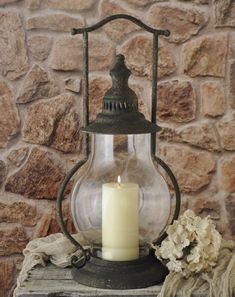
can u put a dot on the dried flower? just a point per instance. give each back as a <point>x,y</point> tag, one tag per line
<point>192,245</point>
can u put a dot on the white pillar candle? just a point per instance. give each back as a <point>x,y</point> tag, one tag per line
<point>120,222</point>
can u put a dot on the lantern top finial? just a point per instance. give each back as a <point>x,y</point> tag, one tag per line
<point>120,113</point>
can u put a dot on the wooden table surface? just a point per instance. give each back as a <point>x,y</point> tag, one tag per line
<point>51,281</point>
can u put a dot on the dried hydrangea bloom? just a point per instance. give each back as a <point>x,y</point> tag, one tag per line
<point>192,245</point>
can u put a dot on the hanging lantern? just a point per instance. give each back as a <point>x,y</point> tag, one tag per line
<point>122,203</point>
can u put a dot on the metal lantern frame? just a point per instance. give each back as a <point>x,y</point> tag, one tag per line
<point>145,271</point>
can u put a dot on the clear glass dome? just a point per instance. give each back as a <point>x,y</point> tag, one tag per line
<point>120,219</point>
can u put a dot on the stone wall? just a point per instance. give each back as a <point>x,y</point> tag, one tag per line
<point>40,104</point>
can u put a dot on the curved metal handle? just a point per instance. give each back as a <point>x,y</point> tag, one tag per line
<point>81,261</point>
<point>120,16</point>
<point>155,33</point>
<point>177,196</point>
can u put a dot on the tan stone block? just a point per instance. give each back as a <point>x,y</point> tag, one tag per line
<point>226,130</point>
<point>9,117</point>
<point>138,53</point>
<point>37,84</point>
<point>182,23</point>
<point>12,241</point>
<point>213,101</point>
<point>176,101</point>
<point>54,123</point>
<point>32,4</point>
<point>73,84</point>
<point>117,29</point>
<point>139,90</point>
<point>17,157</point>
<point>13,59</point>
<point>4,2</point>
<point>49,223</point>
<point>227,174</point>
<point>67,54</point>
<point>202,135</point>
<point>54,22</point>
<point>232,45</point>
<point>77,5</point>
<point>205,56</point>
<point>6,277</point>
<point>18,212</point>
<point>18,261</point>
<point>38,178</point>
<point>232,84</point>
<point>39,46</point>
<point>97,88</point>
<point>193,170</point>
<point>197,1</point>
<point>142,3</point>
<point>224,11</point>
<point>43,226</point>
<point>207,204</point>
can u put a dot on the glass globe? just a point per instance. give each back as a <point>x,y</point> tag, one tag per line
<point>122,202</point>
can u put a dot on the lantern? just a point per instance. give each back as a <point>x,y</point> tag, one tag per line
<point>122,202</point>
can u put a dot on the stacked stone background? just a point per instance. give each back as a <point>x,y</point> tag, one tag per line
<point>41,104</point>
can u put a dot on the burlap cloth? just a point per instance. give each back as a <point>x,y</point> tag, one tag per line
<point>220,282</point>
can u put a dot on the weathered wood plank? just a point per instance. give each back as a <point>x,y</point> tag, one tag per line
<point>51,274</point>
<point>51,281</point>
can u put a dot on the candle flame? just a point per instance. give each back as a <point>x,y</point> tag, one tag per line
<point>119,180</point>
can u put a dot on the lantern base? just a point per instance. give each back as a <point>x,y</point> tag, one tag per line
<point>122,275</point>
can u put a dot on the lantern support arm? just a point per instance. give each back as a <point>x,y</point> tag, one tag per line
<point>177,196</point>
<point>154,90</point>
<point>85,87</point>
<point>120,16</point>
<point>76,261</point>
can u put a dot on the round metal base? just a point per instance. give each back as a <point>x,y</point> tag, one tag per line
<point>141,273</point>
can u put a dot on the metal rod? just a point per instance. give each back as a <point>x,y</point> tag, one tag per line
<point>119,16</point>
<point>60,197</point>
<point>154,90</point>
<point>177,196</point>
<point>85,93</point>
